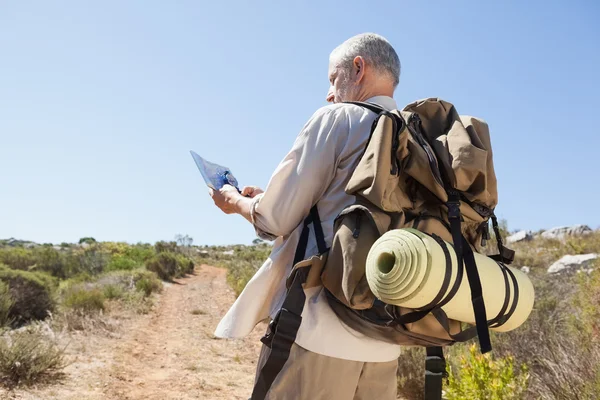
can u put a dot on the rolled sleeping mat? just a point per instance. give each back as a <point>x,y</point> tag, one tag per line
<point>406,267</point>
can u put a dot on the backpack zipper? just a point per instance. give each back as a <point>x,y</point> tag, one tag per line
<point>415,124</point>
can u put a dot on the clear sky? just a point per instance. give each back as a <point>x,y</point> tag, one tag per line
<point>100,103</point>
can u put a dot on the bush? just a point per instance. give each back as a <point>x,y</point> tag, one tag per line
<point>481,377</point>
<point>113,292</point>
<point>148,285</point>
<point>164,265</point>
<point>184,265</point>
<point>31,293</point>
<point>411,372</point>
<point>6,303</point>
<point>27,355</point>
<point>241,266</point>
<point>17,258</point>
<point>49,260</point>
<point>166,247</point>
<point>169,265</point>
<point>122,263</point>
<point>587,302</point>
<point>86,301</point>
<point>91,260</point>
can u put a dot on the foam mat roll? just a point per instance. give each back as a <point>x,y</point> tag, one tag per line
<point>406,267</point>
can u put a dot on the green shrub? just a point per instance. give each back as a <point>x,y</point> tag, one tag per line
<point>112,292</point>
<point>166,247</point>
<point>587,303</point>
<point>122,263</point>
<point>481,377</point>
<point>31,292</point>
<point>49,260</point>
<point>17,258</point>
<point>242,265</point>
<point>139,253</point>
<point>91,260</point>
<point>411,372</point>
<point>148,285</point>
<point>86,301</point>
<point>184,265</point>
<point>27,355</point>
<point>6,303</point>
<point>164,265</point>
<point>239,275</point>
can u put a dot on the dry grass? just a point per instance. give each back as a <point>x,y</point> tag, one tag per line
<point>28,356</point>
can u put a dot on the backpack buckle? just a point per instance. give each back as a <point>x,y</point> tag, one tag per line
<point>453,205</point>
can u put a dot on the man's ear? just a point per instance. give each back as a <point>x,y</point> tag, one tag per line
<point>358,68</point>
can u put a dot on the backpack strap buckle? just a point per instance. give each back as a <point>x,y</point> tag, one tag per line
<point>453,205</point>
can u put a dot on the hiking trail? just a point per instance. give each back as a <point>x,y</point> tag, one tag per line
<point>167,354</point>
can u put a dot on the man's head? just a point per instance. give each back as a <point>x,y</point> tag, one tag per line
<point>363,66</point>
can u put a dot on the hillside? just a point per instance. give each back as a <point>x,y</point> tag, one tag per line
<point>120,321</point>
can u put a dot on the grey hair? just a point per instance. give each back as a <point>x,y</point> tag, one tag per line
<point>374,48</point>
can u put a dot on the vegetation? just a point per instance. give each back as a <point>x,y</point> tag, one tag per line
<point>28,355</point>
<point>555,354</point>
<point>241,262</point>
<point>76,285</point>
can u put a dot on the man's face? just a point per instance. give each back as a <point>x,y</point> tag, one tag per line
<point>342,88</point>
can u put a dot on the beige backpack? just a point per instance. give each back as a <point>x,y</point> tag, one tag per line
<point>424,167</point>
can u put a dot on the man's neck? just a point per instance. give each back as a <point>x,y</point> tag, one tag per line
<point>370,93</point>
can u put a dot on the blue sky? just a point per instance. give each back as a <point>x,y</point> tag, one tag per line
<point>100,103</point>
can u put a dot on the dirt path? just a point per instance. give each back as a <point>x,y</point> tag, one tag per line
<point>170,353</point>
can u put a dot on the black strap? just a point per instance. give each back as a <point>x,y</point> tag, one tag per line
<point>495,320</point>
<point>370,106</point>
<point>439,299</point>
<point>505,255</point>
<point>284,328</point>
<point>464,253</point>
<point>501,318</point>
<point>461,336</point>
<point>282,335</point>
<point>319,236</point>
<point>435,372</point>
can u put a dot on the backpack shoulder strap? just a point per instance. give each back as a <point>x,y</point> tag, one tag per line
<point>370,106</point>
<point>284,328</point>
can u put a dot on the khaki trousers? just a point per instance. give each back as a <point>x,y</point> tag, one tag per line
<point>310,376</point>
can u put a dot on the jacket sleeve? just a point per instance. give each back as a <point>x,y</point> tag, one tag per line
<point>303,176</point>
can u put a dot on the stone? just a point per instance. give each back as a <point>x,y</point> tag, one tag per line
<point>571,263</point>
<point>563,231</point>
<point>520,236</point>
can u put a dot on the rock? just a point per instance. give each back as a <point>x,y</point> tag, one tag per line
<point>228,252</point>
<point>519,237</point>
<point>570,263</point>
<point>562,231</point>
<point>525,269</point>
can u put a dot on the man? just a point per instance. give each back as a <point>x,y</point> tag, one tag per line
<point>328,359</point>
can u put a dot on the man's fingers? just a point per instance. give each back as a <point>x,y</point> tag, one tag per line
<point>247,190</point>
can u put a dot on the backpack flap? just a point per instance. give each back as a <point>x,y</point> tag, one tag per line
<point>462,146</point>
<point>377,175</point>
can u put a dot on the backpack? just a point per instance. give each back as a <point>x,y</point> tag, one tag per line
<point>427,168</point>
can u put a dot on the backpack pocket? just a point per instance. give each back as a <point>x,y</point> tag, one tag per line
<point>356,229</point>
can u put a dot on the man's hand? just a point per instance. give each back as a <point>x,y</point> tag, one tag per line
<point>226,198</point>
<point>251,191</point>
